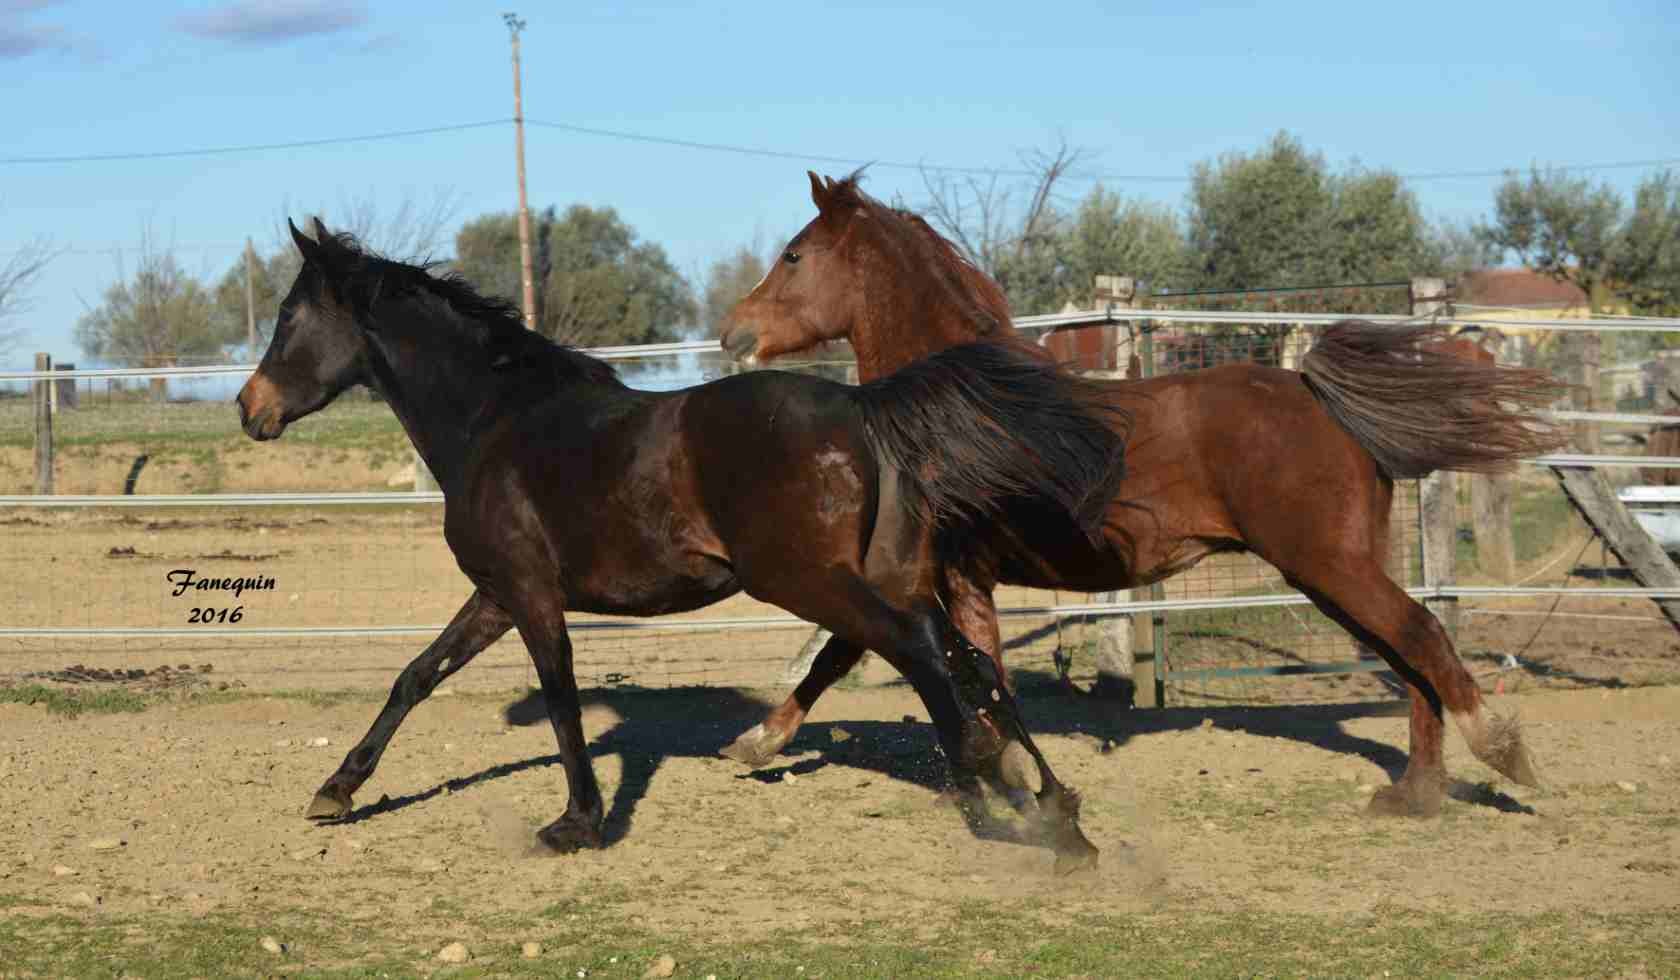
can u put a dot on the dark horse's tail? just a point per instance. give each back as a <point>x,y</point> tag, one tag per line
<point>1417,408</point>
<point>979,423</point>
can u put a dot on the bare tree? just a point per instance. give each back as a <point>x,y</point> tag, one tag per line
<point>413,231</point>
<point>19,274</point>
<point>159,317</point>
<point>978,213</point>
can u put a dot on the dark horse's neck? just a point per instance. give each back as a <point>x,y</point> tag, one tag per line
<point>448,377</point>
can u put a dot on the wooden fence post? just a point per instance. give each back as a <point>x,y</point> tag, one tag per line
<point>1585,349</point>
<point>1437,494</point>
<point>1117,636</point>
<point>43,427</point>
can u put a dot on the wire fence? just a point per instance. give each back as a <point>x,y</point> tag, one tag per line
<point>352,574</point>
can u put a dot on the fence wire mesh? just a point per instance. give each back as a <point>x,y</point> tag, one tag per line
<point>379,567</point>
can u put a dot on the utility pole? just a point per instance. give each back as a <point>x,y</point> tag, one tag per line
<point>250,297</point>
<point>515,25</point>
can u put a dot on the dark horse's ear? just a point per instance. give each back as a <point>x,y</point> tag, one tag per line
<point>330,249</point>
<point>307,247</point>
<point>819,193</point>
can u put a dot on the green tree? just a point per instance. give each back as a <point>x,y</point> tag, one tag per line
<point>1264,219</point>
<point>1648,265</point>
<point>272,276</point>
<point>596,284</point>
<point>1281,217</point>
<point>1112,235</point>
<point>729,279</point>
<point>160,317</point>
<point>1560,226</point>
<point>1454,249</point>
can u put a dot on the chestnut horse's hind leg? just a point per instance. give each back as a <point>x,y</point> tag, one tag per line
<point>477,625</point>
<point>1375,610</point>
<point>758,745</point>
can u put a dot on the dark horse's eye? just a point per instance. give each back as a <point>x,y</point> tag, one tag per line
<point>790,256</point>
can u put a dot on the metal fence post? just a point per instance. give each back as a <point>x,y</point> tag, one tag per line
<point>43,427</point>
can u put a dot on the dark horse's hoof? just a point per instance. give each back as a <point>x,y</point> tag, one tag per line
<point>1076,857</point>
<point>564,836</point>
<point>331,803</point>
<point>1058,808</point>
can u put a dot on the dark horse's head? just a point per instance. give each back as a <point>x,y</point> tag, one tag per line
<point>862,264</point>
<point>317,349</point>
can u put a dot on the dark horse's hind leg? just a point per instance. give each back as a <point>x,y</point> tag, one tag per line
<point>477,625</point>
<point>965,695</point>
<point>980,684</point>
<point>1370,606</point>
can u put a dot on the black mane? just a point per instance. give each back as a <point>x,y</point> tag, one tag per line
<point>372,277</point>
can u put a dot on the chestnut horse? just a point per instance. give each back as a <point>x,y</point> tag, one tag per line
<point>564,490</point>
<point>1296,467</point>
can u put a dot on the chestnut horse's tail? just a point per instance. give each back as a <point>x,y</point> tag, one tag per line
<point>974,425</point>
<point>1418,408</point>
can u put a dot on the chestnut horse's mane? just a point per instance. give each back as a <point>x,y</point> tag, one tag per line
<point>933,252</point>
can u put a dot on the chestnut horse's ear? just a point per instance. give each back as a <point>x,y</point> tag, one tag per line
<point>307,247</point>
<point>819,193</point>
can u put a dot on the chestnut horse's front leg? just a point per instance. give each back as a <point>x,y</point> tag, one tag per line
<point>478,624</point>
<point>969,594</point>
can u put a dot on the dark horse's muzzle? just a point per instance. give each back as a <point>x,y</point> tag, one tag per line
<point>260,413</point>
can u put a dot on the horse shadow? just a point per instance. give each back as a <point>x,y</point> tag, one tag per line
<point>657,724</point>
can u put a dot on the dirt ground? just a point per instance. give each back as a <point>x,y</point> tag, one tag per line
<point>189,810</point>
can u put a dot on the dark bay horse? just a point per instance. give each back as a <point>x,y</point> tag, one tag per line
<point>566,490</point>
<point>1297,467</point>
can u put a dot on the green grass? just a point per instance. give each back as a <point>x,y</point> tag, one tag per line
<point>973,939</point>
<point>71,702</point>
<point>197,427</point>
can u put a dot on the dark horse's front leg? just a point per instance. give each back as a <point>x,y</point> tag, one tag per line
<point>542,624</point>
<point>478,624</point>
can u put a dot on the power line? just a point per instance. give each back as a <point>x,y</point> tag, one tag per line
<point>820,158</point>
<point>250,147</point>
<point>754,151</point>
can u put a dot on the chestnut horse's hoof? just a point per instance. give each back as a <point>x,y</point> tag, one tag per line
<point>756,748</point>
<point>564,836</point>
<point>1403,800</point>
<point>331,803</point>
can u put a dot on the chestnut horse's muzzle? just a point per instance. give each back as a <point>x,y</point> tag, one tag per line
<point>741,343</point>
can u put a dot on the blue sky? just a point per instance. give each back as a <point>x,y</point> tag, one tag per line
<point>1148,89</point>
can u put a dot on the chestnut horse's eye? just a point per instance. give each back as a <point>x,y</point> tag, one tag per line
<point>790,256</point>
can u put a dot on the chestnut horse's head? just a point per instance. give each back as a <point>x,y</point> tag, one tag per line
<point>868,273</point>
<point>317,349</point>
<point>809,296</point>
